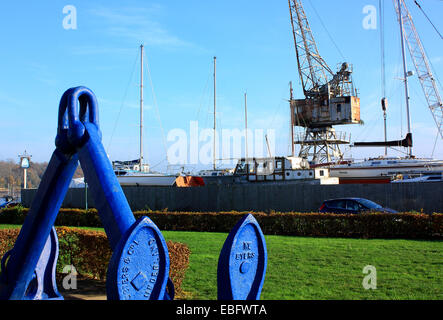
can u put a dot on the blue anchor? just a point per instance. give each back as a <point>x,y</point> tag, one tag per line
<point>139,267</point>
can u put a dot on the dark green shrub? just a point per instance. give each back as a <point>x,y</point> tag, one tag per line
<point>371,225</point>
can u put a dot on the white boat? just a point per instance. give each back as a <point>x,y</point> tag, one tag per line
<point>383,169</point>
<point>129,174</point>
<point>419,178</point>
<point>146,179</point>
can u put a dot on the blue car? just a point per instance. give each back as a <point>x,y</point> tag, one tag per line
<point>6,202</point>
<point>352,206</point>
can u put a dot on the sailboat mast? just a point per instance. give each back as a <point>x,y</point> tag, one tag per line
<point>215,78</point>
<point>141,107</point>
<point>384,101</point>
<point>267,145</point>
<point>246,127</point>
<point>405,71</point>
<point>292,119</point>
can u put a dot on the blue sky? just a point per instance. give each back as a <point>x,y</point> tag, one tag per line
<point>255,53</point>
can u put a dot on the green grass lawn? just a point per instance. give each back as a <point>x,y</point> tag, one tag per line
<point>322,268</point>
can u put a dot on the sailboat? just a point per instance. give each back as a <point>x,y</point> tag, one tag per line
<point>389,169</point>
<point>129,174</point>
<point>136,172</point>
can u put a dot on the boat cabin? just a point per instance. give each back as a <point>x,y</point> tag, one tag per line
<point>278,169</point>
<point>124,167</point>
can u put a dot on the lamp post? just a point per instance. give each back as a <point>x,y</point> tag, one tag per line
<point>25,160</point>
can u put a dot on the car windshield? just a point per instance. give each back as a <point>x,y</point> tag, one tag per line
<point>369,204</point>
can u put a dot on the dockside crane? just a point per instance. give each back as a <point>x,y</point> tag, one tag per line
<point>329,98</point>
<point>421,63</point>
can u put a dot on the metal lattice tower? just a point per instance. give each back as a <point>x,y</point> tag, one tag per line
<point>321,145</point>
<point>330,98</point>
<point>312,68</point>
<point>421,63</point>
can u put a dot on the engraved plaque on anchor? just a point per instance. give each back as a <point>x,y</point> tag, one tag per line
<point>242,262</point>
<point>139,267</point>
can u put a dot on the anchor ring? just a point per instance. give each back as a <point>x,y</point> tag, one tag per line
<point>77,106</point>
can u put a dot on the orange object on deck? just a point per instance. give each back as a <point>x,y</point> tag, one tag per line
<point>189,181</point>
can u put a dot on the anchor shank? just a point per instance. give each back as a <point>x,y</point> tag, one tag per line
<point>109,199</point>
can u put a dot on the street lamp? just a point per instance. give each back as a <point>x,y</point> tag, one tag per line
<point>25,160</point>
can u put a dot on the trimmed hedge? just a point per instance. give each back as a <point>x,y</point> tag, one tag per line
<point>89,252</point>
<point>371,225</point>
<point>374,225</point>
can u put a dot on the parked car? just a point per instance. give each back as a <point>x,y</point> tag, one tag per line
<point>7,202</point>
<point>352,206</point>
